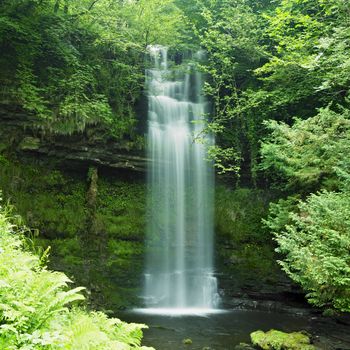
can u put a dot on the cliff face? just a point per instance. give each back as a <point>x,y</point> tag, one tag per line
<point>92,147</point>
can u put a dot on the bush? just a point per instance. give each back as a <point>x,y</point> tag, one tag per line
<point>310,153</point>
<point>36,309</point>
<point>315,241</point>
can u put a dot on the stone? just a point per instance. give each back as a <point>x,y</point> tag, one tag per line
<point>93,147</point>
<point>277,340</point>
<point>187,341</point>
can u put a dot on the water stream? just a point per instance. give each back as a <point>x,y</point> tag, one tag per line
<point>179,266</point>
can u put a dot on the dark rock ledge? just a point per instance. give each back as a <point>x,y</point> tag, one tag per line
<point>98,154</point>
<point>92,147</point>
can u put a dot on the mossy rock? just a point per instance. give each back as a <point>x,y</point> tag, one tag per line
<point>187,341</point>
<point>277,340</point>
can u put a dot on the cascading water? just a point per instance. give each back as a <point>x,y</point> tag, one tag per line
<point>179,267</point>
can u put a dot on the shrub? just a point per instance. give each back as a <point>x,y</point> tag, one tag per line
<point>309,153</point>
<point>315,241</point>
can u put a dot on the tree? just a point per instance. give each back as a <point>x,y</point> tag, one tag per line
<point>309,154</point>
<point>71,64</point>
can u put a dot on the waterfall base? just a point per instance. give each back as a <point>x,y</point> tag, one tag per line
<point>179,311</point>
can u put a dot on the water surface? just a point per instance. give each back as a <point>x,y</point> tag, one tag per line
<point>221,331</point>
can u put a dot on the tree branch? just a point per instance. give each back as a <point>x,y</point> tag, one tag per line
<point>92,5</point>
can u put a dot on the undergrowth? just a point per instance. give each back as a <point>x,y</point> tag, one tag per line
<point>38,309</point>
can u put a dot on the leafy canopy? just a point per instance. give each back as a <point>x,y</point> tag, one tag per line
<point>71,64</point>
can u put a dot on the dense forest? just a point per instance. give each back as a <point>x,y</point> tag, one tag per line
<point>73,131</point>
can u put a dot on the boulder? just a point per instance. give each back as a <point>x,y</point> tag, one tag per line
<point>277,340</point>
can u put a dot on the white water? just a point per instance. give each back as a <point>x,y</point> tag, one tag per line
<point>179,273</point>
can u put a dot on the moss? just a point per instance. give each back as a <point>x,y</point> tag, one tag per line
<point>245,246</point>
<point>46,199</point>
<point>277,340</point>
<point>238,214</point>
<point>121,209</point>
<point>187,341</point>
<point>54,203</point>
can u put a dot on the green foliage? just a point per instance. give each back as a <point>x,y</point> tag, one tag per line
<point>224,159</point>
<point>238,214</point>
<point>310,152</point>
<point>35,304</point>
<point>46,199</point>
<point>155,21</point>
<point>229,31</point>
<point>313,234</point>
<point>271,61</point>
<point>243,244</point>
<point>278,76</point>
<point>96,331</point>
<point>78,63</point>
<point>279,80</point>
<point>121,209</point>
<point>314,239</point>
<point>55,204</point>
<point>280,212</point>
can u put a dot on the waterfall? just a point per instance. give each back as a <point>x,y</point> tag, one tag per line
<point>179,261</point>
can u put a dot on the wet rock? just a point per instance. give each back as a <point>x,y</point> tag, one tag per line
<point>343,319</point>
<point>277,340</point>
<point>94,146</point>
<point>187,341</point>
<point>245,303</point>
<point>243,346</point>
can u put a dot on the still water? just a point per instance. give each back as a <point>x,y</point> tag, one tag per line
<point>221,331</point>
